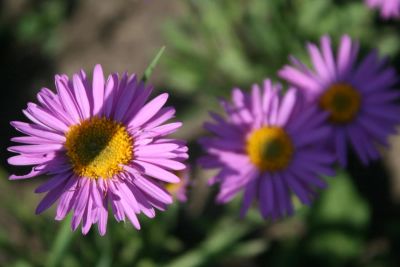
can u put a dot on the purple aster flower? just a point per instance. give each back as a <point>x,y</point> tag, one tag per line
<point>389,8</point>
<point>268,147</point>
<point>103,145</point>
<point>358,96</point>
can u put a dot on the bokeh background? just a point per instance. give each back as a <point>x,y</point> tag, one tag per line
<point>211,46</point>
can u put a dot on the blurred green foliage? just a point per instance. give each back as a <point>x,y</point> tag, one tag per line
<point>333,232</point>
<point>221,44</point>
<point>214,46</point>
<point>36,23</point>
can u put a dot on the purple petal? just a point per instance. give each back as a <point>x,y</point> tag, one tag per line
<point>152,189</point>
<point>49,199</point>
<point>162,116</point>
<point>318,62</point>
<point>124,102</point>
<point>148,111</point>
<point>81,203</point>
<point>286,108</point>
<point>81,97</point>
<point>38,131</point>
<point>249,194</point>
<point>110,94</point>
<point>165,163</point>
<point>328,55</point>
<point>35,149</point>
<point>67,199</point>
<point>166,129</point>
<point>103,217</point>
<point>347,55</point>
<point>47,119</point>
<point>155,148</point>
<point>67,100</point>
<point>157,172</point>
<point>87,219</point>
<point>341,147</point>
<point>52,183</point>
<point>98,90</point>
<point>21,160</point>
<point>266,196</point>
<point>34,172</point>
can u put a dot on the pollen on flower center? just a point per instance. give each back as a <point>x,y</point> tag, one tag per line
<point>342,102</point>
<point>270,148</point>
<point>98,147</point>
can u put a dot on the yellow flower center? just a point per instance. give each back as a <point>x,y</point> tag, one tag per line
<point>342,102</point>
<point>270,148</point>
<point>98,147</point>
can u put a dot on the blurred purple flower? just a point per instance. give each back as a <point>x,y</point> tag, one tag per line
<point>358,97</point>
<point>103,144</point>
<point>267,147</point>
<point>389,8</point>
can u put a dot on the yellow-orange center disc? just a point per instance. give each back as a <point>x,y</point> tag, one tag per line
<point>342,102</point>
<point>270,148</point>
<point>98,147</point>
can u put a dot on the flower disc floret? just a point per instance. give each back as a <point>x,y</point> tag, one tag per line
<point>342,102</point>
<point>270,148</point>
<point>98,147</point>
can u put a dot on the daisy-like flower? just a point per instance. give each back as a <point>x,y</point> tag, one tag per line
<point>103,145</point>
<point>358,96</point>
<point>389,8</point>
<point>267,147</point>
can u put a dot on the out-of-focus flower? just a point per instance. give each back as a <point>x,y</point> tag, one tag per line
<point>388,8</point>
<point>358,96</point>
<point>179,190</point>
<point>268,147</point>
<point>103,145</point>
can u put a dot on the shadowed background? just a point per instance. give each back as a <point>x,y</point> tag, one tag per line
<point>211,46</point>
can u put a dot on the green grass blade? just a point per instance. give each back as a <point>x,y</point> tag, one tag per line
<point>61,243</point>
<point>149,70</point>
